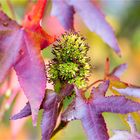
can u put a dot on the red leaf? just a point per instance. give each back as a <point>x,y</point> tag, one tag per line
<point>32,19</point>
<point>32,22</point>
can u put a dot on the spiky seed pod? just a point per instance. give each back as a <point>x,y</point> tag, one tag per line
<point>70,63</point>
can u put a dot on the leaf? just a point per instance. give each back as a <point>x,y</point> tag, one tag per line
<point>25,112</point>
<point>129,91</point>
<point>50,115</point>
<point>16,126</point>
<point>118,86</point>
<point>20,48</point>
<point>90,111</point>
<point>64,13</point>
<point>99,25</point>
<point>125,135</point>
<point>30,70</point>
<point>32,22</point>
<point>118,71</point>
<point>9,30</point>
<point>32,19</point>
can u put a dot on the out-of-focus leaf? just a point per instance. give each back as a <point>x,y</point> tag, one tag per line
<point>64,13</point>
<point>32,19</point>
<point>91,15</point>
<point>32,22</point>
<point>118,71</point>
<point>125,135</point>
<point>130,91</point>
<point>16,126</point>
<point>9,30</point>
<point>90,111</point>
<point>95,21</point>
<point>50,115</point>
<point>118,86</point>
<point>25,112</point>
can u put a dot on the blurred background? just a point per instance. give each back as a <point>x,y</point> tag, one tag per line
<point>124,17</point>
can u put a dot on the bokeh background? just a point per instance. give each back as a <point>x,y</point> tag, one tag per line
<point>124,17</point>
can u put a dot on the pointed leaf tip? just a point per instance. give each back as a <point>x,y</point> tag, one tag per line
<point>30,70</point>
<point>50,115</point>
<point>129,91</point>
<point>99,24</point>
<point>32,19</point>
<point>64,13</point>
<point>25,112</point>
<point>118,71</point>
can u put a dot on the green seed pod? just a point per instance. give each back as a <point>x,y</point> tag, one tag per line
<point>70,63</point>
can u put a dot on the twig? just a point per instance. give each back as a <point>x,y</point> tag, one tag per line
<point>101,80</point>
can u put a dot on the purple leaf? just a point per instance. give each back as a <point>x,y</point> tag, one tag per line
<point>116,104</point>
<point>118,71</point>
<point>64,13</point>
<point>50,115</point>
<point>9,48</point>
<point>25,112</point>
<point>89,111</point>
<point>95,21</point>
<point>92,121</point>
<point>129,91</point>
<point>101,90</point>
<point>21,48</point>
<point>125,135</point>
<point>30,70</point>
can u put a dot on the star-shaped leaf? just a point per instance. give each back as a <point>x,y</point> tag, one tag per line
<point>90,14</point>
<point>90,111</point>
<point>20,48</point>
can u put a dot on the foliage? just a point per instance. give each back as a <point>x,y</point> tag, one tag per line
<point>20,48</point>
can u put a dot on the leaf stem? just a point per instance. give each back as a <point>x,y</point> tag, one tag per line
<point>101,80</point>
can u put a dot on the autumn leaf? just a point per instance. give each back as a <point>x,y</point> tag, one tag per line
<point>25,112</point>
<point>51,109</point>
<point>90,14</point>
<point>90,111</point>
<point>125,135</point>
<point>50,115</point>
<point>20,47</point>
<point>64,13</point>
<point>116,84</point>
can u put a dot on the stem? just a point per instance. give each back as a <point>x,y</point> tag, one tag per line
<point>60,127</point>
<point>101,80</point>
